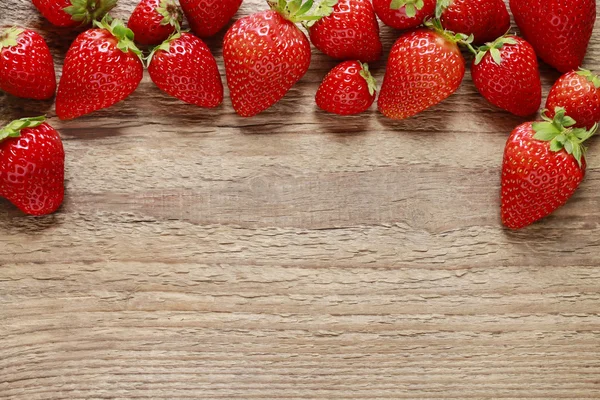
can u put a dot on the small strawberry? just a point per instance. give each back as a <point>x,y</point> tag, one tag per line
<point>26,66</point>
<point>102,67</point>
<point>543,166</point>
<point>207,17</point>
<point>404,14</point>
<point>32,166</point>
<point>486,20</point>
<point>350,32</point>
<point>349,88</point>
<point>153,21</point>
<point>558,30</point>
<point>184,67</point>
<point>506,73</point>
<point>578,92</point>
<point>70,13</point>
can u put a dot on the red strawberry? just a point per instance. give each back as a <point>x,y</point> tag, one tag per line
<point>207,17</point>
<point>153,21</point>
<point>32,166</point>
<point>506,73</point>
<point>347,89</point>
<point>578,92</point>
<point>69,13</point>
<point>184,68</point>
<point>350,32</point>
<point>26,66</point>
<point>543,166</point>
<point>404,14</point>
<point>558,30</point>
<point>424,68</point>
<point>486,20</point>
<point>102,67</point>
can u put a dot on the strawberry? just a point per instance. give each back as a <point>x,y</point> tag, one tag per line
<point>32,166</point>
<point>70,13</point>
<point>347,89</point>
<point>207,17</point>
<point>26,66</point>
<point>506,73</point>
<point>543,166</point>
<point>558,30</point>
<point>578,92</point>
<point>424,68</point>
<point>404,14</point>
<point>350,32</point>
<point>486,20</point>
<point>184,67</point>
<point>153,21</point>
<point>102,67</point>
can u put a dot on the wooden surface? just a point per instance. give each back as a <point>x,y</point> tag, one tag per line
<point>295,255</point>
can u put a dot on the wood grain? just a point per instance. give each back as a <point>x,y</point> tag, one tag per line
<point>294,255</point>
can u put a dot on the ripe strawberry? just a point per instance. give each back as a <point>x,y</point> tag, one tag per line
<point>207,17</point>
<point>404,14</point>
<point>184,68</point>
<point>102,67</point>
<point>32,166</point>
<point>486,20</point>
<point>543,166</point>
<point>506,73</point>
<point>558,30</point>
<point>347,89</point>
<point>350,32</point>
<point>578,92</point>
<point>69,13</point>
<point>26,66</point>
<point>424,68</point>
<point>153,21</point>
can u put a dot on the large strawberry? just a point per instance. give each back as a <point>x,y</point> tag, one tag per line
<point>543,166</point>
<point>69,13</point>
<point>207,17</point>
<point>578,92</point>
<point>349,88</point>
<point>558,30</point>
<point>103,66</point>
<point>26,66</point>
<point>506,73</point>
<point>184,67</point>
<point>153,21</point>
<point>32,166</point>
<point>404,14</point>
<point>486,20</point>
<point>350,32</point>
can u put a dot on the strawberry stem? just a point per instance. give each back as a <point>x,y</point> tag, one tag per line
<point>86,11</point>
<point>494,49</point>
<point>441,6</point>
<point>14,128</point>
<point>165,46</point>
<point>595,79</point>
<point>460,38</point>
<point>10,36</point>
<point>410,6</point>
<point>171,13</point>
<point>366,74</point>
<point>123,34</point>
<point>302,11</point>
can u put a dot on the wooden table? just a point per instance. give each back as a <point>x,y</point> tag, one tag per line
<point>295,255</point>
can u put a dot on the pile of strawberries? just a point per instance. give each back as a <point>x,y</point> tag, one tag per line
<point>266,53</point>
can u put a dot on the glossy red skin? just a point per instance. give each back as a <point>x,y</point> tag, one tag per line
<point>207,17</point>
<point>423,69</point>
<point>578,96</point>
<point>188,71</point>
<point>486,20</point>
<point>535,180</point>
<point>32,169</point>
<point>558,30</point>
<point>27,69</point>
<point>344,91</point>
<point>265,55</point>
<point>351,32</point>
<point>96,75</point>
<point>515,84</point>
<point>145,22</point>
<point>53,11</point>
<point>398,18</point>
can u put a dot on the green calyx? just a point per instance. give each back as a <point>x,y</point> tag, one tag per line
<point>494,49</point>
<point>303,11</point>
<point>171,13</point>
<point>13,129</point>
<point>86,11</point>
<point>560,133</point>
<point>441,6</point>
<point>460,38</point>
<point>595,79</point>
<point>366,74</point>
<point>164,46</point>
<point>410,6</point>
<point>123,34</point>
<point>9,37</point>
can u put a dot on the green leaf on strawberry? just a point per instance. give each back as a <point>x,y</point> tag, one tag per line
<point>14,128</point>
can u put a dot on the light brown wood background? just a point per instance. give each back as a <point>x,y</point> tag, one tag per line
<point>295,255</point>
